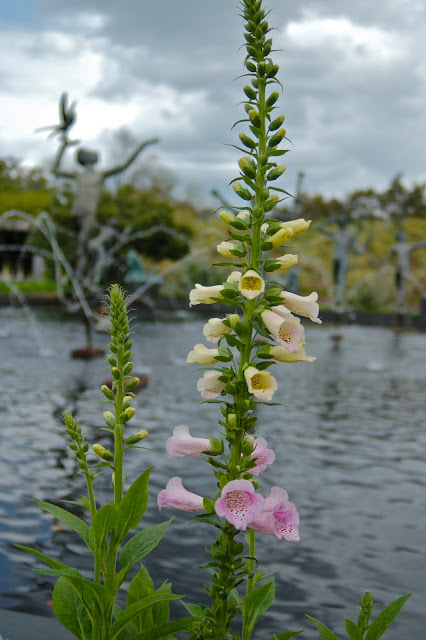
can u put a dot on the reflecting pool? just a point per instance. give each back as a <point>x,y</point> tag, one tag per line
<point>350,444</point>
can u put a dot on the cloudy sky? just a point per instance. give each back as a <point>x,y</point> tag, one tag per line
<point>354,77</point>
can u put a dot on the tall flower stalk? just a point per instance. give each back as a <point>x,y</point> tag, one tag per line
<point>88,608</point>
<point>237,368</point>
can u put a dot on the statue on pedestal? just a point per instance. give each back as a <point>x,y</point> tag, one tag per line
<point>401,250</point>
<point>344,240</point>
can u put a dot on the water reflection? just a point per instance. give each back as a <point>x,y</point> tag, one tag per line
<point>349,443</point>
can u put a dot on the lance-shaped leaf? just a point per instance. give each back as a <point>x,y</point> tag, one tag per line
<point>385,618</point>
<point>136,609</point>
<point>167,629</point>
<point>104,520</point>
<point>70,610</point>
<point>352,630</point>
<point>50,561</point>
<point>134,504</point>
<point>286,635</point>
<point>68,519</point>
<point>257,602</point>
<point>325,632</point>
<point>140,545</point>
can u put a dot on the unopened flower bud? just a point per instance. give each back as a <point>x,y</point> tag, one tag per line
<point>271,202</point>
<point>129,386</point>
<point>280,237</point>
<point>136,437</point>
<point>272,98</point>
<point>103,453</point>
<point>234,221</point>
<point>115,373</point>
<point>127,414</point>
<point>109,419</point>
<point>247,166</point>
<point>231,420</point>
<point>275,124</point>
<point>127,401</point>
<point>276,138</point>
<point>241,191</point>
<point>276,172</point>
<point>233,319</point>
<point>107,392</point>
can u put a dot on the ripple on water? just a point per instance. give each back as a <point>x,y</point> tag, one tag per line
<point>348,442</point>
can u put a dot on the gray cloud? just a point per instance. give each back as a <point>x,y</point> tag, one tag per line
<point>353,76</point>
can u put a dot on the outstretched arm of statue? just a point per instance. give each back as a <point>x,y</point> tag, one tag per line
<point>57,162</point>
<point>418,245</point>
<point>122,167</point>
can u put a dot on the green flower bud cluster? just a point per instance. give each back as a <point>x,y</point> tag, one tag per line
<point>78,445</point>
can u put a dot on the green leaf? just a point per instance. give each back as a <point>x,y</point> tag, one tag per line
<point>196,610</point>
<point>68,519</point>
<point>286,635</point>
<point>164,630</point>
<point>141,587</point>
<point>325,632</point>
<point>232,340</point>
<point>103,522</point>
<point>134,504</point>
<point>385,618</point>
<point>70,611</point>
<point>135,609</point>
<point>141,544</point>
<point>50,561</point>
<point>352,630</point>
<point>257,602</point>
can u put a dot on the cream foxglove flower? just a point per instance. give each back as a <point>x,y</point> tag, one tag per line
<point>251,284</point>
<point>302,305</point>
<point>234,277</point>
<point>200,354</point>
<point>287,330</point>
<point>280,237</point>
<point>225,248</point>
<point>287,261</point>
<point>214,329</point>
<point>282,354</point>
<point>205,295</point>
<point>297,226</point>
<point>260,383</point>
<point>209,385</point>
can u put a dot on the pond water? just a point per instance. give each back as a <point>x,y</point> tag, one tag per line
<point>350,445</point>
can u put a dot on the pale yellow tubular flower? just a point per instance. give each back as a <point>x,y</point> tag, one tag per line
<point>284,355</point>
<point>225,248</point>
<point>214,329</point>
<point>205,295</point>
<point>201,354</point>
<point>297,226</point>
<point>287,261</point>
<point>251,284</point>
<point>245,216</point>
<point>234,277</point>
<point>302,305</point>
<point>280,237</point>
<point>209,385</point>
<point>260,383</point>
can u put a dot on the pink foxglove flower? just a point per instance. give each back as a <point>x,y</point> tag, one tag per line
<point>286,330</point>
<point>214,329</point>
<point>205,295</point>
<point>302,305</point>
<point>262,455</point>
<point>239,503</point>
<point>251,284</point>
<point>260,383</point>
<point>176,496</point>
<point>183,444</point>
<point>209,385</point>
<point>200,354</point>
<point>279,517</point>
